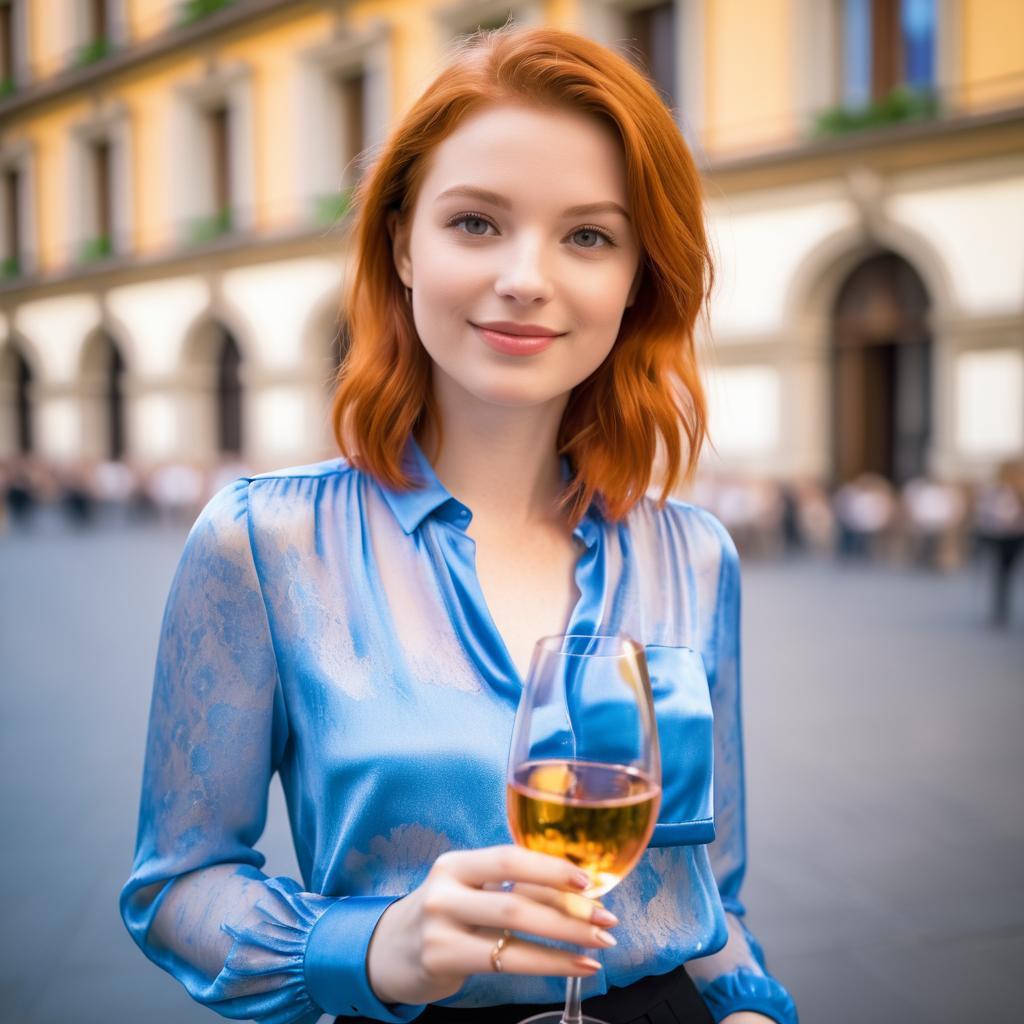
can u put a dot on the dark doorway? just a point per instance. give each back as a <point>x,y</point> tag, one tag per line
<point>114,388</point>
<point>229,395</point>
<point>882,372</point>
<point>16,384</point>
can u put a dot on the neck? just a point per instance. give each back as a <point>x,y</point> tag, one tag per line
<point>500,461</point>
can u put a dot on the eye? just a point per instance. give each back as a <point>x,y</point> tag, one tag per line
<point>596,233</point>
<point>470,218</point>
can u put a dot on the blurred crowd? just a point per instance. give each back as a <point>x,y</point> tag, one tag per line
<point>928,523</point>
<point>34,492</point>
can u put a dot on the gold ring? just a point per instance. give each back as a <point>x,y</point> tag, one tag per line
<point>498,947</point>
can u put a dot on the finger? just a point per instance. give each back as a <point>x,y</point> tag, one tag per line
<point>497,863</point>
<point>582,908</point>
<point>475,908</point>
<point>520,956</point>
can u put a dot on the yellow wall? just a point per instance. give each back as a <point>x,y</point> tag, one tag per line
<point>47,45</point>
<point>749,56</point>
<point>273,54</point>
<point>993,53</point>
<point>148,17</point>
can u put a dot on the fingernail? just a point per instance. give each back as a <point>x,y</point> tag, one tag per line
<point>590,965</point>
<point>602,936</point>
<point>602,916</point>
<point>581,880</point>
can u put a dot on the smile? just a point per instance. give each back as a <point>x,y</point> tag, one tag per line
<point>514,344</point>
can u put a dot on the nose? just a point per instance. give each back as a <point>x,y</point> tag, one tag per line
<point>523,274</point>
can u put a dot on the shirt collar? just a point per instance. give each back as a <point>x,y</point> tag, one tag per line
<point>428,494</point>
<point>431,497</point>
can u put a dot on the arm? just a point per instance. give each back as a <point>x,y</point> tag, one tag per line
<point>735,978</point>
<point>246,945</point>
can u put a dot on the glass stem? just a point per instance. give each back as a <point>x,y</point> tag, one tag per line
<point>572,1014</point>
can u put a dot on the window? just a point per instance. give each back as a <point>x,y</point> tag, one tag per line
<point>6,47</point>
<point>12,222</point>
<point>95,28</point>
<point>17,224</point>
<point>886,44</point>
<point>218,128</point>
<point>651,32</point>
<point>343,103</point>
<point>212,120</point>
<point>99,175</point>
<point>13,45</point>
<point>351,97</point>
<point>665,39</point>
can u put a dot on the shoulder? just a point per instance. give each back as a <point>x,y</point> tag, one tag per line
<point>288,490</point>
<point>687,529</point>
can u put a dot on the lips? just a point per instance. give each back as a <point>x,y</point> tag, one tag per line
<point>514,344</point>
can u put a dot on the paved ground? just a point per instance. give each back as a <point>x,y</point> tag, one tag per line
<point>884,780</point>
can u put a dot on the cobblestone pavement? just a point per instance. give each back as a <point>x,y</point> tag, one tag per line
<point>884,761</point>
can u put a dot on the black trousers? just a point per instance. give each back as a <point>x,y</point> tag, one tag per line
<point>668,998</point>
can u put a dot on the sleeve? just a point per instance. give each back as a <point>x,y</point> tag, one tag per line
<point>736,977</point>
<point>246,945</point>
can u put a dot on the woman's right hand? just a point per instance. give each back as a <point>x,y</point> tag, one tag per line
<point>426,944</point>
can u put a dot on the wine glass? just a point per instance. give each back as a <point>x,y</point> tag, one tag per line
<point>584,769</point>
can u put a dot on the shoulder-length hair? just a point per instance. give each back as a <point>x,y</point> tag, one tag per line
<point>648,388</point>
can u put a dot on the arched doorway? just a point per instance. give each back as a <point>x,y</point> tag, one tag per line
<point>882,370</point>
<point>213,399</point>
<point>16,434</point>
<point>229,395</point>
<point>102,383</point>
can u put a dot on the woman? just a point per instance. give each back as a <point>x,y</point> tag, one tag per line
<point>531,260</point>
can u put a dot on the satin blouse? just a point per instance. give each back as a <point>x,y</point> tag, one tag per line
<point>327,628</point>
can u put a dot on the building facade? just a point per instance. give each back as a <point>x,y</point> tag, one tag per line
<point>175,179</point>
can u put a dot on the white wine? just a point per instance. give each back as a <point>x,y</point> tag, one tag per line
<point>598,816</point>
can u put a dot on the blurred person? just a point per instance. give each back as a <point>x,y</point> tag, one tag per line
<point>508,381</point>
<point>865,510</point>
<point>20,494</point>
<point>76,497</point>
<point>113,485</point>
<point>933,516</point>
<point>177,491</point>
<point>999,527</point>
<point>816,521</point>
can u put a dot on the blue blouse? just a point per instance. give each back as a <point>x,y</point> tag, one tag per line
<point>330,629</point>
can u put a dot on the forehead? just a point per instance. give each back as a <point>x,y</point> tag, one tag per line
<point>532,155</point>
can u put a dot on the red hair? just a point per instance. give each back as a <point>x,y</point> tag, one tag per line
<point>648,388</point>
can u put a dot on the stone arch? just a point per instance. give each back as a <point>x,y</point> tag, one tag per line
<point>102,394</point>
<point>881,361</point>
<point>213,404</point>
<point>19,378</point>
<point>324,342</point>
<point>808,322</point>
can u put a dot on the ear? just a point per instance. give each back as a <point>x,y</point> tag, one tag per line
<point>635,286</point>
<point>400,248</point>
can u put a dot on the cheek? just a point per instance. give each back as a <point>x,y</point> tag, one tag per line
<point>445,274</point>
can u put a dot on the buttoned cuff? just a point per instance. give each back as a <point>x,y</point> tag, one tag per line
<point>335,961</point>
<point>742,989</point>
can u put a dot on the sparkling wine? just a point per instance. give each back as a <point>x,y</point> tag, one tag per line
<point>599,816</point>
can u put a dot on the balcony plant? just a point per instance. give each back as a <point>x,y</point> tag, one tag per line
<point>902,104</point>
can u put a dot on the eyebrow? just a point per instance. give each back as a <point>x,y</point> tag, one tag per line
<point>487,196</point>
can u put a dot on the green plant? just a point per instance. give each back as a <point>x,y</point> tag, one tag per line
<point>902,104</point>
<point>193,10</point>
<point>204,229</point>
<point>10,267</point>
<point>329,208</point>
<point>94,51</point>
<point>7,86</point>
<point>97,248</point>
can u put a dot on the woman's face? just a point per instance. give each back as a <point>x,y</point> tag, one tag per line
<point>520,255</point>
